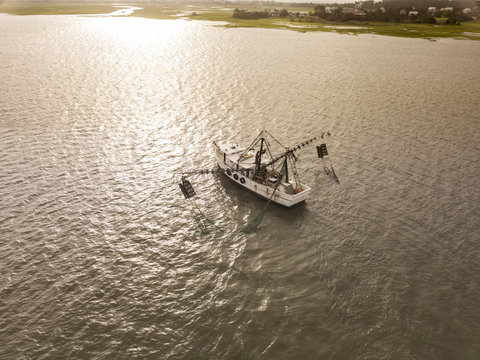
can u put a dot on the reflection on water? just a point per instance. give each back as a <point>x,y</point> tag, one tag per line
<point>124,10</point>
<point>101,256</point>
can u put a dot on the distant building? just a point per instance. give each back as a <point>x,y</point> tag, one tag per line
<point>431,10</point>
<point>403,12</point>
<point>413,13</point>
<point>347,10</point>
<point>447,9</point>
<point>353,11</point>
<point>276,12</point>
<point>359,12</point>
<point>330,9</point>
<point>467,11</point>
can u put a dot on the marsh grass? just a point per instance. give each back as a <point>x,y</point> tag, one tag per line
<point>47,8</point>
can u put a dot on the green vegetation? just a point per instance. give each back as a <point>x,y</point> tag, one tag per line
<point>47,8</point>
<point>449,12</point>
<point>224,13</point>
<point>244,14</point>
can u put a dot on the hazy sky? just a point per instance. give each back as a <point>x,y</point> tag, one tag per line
<point>319,1</point>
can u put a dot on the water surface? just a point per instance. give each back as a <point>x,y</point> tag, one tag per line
<point>101,257</point>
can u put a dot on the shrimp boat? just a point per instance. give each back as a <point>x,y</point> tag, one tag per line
<point>269,174</point>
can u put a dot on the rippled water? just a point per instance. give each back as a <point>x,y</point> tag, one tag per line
<point>101,257</point>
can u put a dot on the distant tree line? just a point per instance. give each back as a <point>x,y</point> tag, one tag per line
<point>393,8</point>
<point>399,11</point>
<point>424,4</point>
<point>406,11</point>
<point>245,14</point>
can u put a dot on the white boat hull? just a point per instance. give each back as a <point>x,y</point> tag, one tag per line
<point>238,175</point>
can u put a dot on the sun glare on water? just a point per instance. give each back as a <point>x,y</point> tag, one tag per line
<point>138,30</point>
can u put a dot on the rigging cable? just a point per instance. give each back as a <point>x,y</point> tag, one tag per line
<point>252,225</point>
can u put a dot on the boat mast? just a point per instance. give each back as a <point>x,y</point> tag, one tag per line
<point>286,169</point>
<point>258,157</point>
